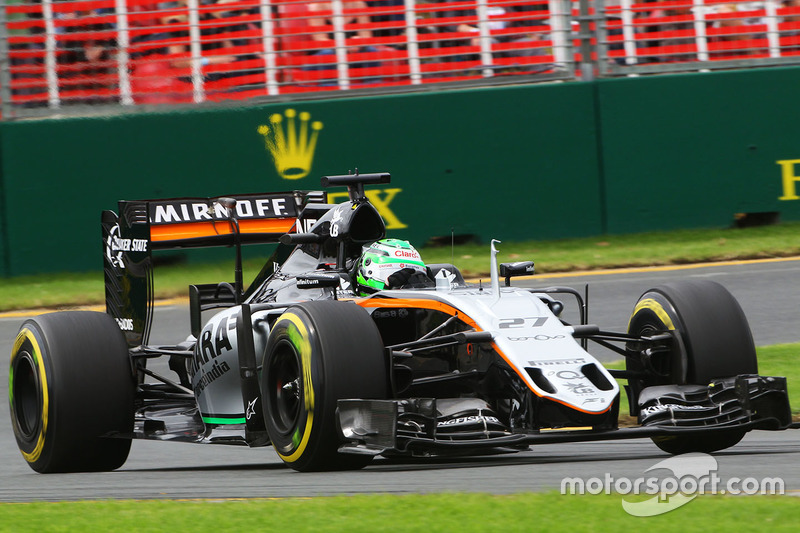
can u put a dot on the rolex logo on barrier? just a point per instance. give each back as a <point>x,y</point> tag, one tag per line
<point>291,144</point>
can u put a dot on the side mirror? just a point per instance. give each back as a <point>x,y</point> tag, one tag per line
<point>512,270</point>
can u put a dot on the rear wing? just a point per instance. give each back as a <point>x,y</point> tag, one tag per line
<point>146,225</point>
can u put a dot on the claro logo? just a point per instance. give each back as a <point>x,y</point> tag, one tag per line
<point>404,253</point>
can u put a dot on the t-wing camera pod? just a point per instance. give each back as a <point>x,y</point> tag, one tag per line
<point>355,183</point>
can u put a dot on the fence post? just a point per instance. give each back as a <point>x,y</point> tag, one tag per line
<point>773,33</point>
<point>412,42</point>
<point>485,38</point>
<point>268,41</point>
<point>123,42</point>
<point>559,33</point>
<point>342,67</point>
<point>53,98</point>
<point>603,45</point>
<point>628,32</point>
<point>198,89</point>
<point>701,38</point>
<point>585,36</point>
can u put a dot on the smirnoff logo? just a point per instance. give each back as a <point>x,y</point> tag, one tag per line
<point>201,210</point>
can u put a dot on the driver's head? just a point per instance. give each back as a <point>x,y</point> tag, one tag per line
<point>387,264</point>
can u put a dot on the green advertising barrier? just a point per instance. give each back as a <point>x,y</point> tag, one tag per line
<point>513,163</point>
<point>509,163</point>
<point>4,257</point>
<point>690,151</point>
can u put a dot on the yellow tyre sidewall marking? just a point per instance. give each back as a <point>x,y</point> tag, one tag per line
<point>655,307</point>
<point>28,335</point>
<point>302,345</point>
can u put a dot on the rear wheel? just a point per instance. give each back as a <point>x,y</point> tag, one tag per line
<point>71,388</point>
<point>712,340</point>
<point>318,353</point>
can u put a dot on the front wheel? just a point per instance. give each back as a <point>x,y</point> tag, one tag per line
<point>318,353</point>
<point>712,340</point>
<point>71,391</point>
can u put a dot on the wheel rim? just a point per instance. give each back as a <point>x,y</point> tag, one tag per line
<point>669,364</point>
<point>26,394</point>
<point>663,363</point>
<point>285,388</point>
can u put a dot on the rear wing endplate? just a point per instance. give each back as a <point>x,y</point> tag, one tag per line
<point>146,225</point>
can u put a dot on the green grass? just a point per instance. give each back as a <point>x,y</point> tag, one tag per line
<point>430,513</point>
<point>646,249</point>
<point>783,360</point>
<point>643,249</point>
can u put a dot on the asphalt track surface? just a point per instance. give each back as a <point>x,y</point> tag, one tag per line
<point>769,293</point>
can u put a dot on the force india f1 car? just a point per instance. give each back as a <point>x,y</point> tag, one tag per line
<point>331,379</point>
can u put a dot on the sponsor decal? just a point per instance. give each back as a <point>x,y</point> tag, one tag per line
<point>305,225</point>
<point>536,338</point>
<point>653,409</point>
<point>128,245</point>
<point>125,324</point>
<point>290,144</point>
<point>113,255</point>
<point>197,210</point>
<point>117,246</point>
<point>337,217</point>
<point>216,371</point>
<point>569,374</point>
<point>390,313</point>
<point>406,253</point>
<point>468,420</point>
<point>251,408</point>
<point>213,343</point>
<point>556,362</point>
<point>580,388</point>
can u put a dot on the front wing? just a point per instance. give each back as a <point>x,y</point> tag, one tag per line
<point>416,425</point>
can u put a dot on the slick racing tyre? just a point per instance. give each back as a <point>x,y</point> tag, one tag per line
<point>70,388</point>
<point>712,340</point>
<point>318,353</point>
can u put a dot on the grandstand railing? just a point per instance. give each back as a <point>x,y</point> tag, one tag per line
<point>683,35</point>
<point>95,55</point>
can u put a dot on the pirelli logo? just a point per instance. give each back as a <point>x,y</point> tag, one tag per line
<point>254,207</point>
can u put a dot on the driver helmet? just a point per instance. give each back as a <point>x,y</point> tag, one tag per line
<point>388,263</point>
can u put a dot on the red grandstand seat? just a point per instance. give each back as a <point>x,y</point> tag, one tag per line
<point>156,82</point>
<point>297,47</point>
<point>294,41</point>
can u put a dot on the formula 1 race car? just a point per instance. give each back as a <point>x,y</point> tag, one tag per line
<point>334,354</point>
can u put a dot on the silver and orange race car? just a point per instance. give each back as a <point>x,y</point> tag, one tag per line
<point>302,361</point>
